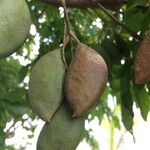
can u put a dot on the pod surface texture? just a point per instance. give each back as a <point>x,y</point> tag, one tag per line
<point>63,132</point>
<point>46,84</point>
<point>15,24</point>
<point>142,61</point>
<point>85,80</point>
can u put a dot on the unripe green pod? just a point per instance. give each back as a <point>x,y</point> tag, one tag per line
<point>15,24</point>
<point>63,132</point>
<point>46,84</point>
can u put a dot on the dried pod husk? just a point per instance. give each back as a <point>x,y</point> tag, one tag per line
<point>46,84</point>
<point>63,132</point>
<point>142,61</point>
<point>85,80</point>
<point>15,24</point>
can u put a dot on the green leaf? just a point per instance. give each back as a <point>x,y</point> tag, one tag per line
<point>114,80</point>
<point>103,52</point>
<point>142,99</point>
<point>145,22</point>
<point>19,95</point>
<point>127,118</point>
<point>91,140</point>
<point>116,122</point>
<point>126,97</point>
<point>133,19</point>
<point>122,46</point>
<point>2,139</point>
<point>16,109</point>
<point>22,73</point>
<point>2,143</point>
<point>112,51</point>
<point>8,75</point>
<point>134,3</point>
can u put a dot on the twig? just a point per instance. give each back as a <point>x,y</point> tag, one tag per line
<point>72,48</point>
<point>66,16</point>
<point>70,32</point>
<point>12,126</point>
<point>132,33</point>
<point>66,39</point>
<point>84,4</point>
<point>8,132</point>
<point>134,140</point>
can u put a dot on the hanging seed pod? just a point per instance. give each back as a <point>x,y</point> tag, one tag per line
<point>63,132</point>
<point>15,24</point>
<point>142,61</point>
<point>46,84</point>
<point>85,80</point>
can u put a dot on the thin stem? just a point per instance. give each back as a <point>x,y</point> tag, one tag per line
<point>132,33</point>
<point>66,16</point>
<point>71,48</point>
<point>8,132</point>
<point>134,140</point>
<point>66,39</point>
<point>12,126</point>
<point>70,32</point>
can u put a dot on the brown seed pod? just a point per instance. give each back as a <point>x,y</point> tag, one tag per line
<point>142,61</point>
<point>86,79</point>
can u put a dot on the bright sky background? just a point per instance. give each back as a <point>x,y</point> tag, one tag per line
<point>141,131</point>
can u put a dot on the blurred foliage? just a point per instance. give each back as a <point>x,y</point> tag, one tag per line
<point>94,28</point>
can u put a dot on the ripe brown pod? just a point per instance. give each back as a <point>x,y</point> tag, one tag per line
<point>86,79</point>
<point>142,61</point>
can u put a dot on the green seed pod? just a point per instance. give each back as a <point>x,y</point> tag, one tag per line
<point>46,84</point>
<point>15,24</point>
<point>63,132</point>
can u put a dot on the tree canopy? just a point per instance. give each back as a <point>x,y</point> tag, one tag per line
<point>116,35</point>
